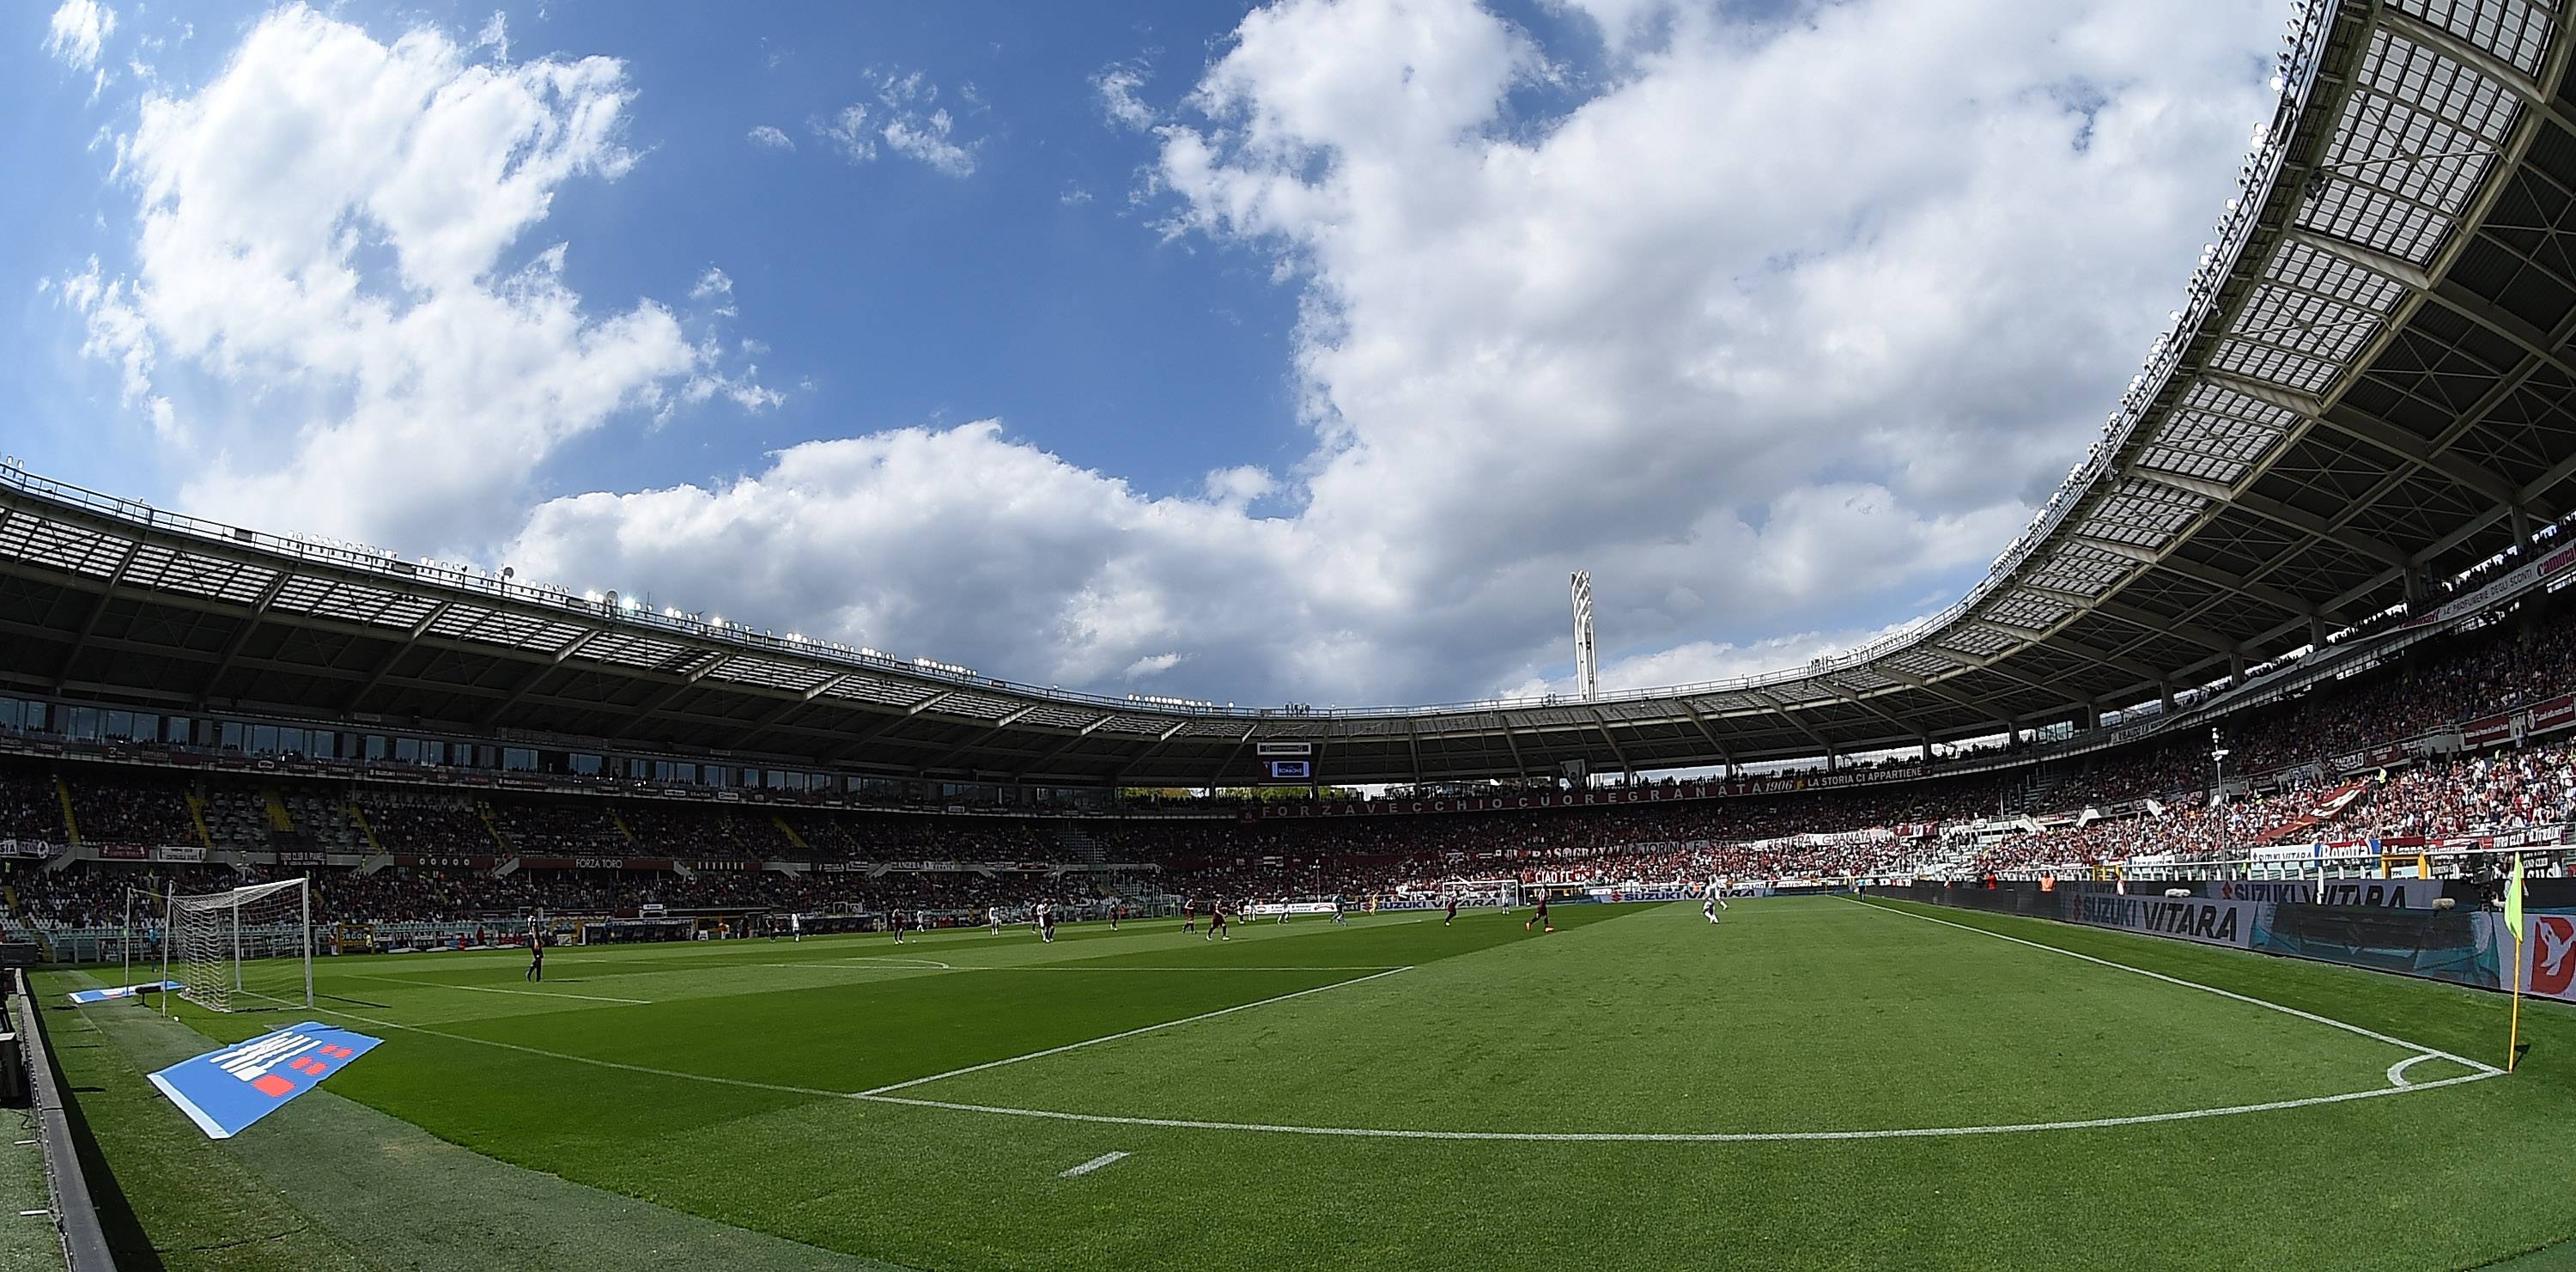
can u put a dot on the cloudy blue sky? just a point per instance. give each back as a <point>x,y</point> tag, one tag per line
<point>1281,353</point>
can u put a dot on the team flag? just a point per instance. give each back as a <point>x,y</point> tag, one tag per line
<point>227,1089</point>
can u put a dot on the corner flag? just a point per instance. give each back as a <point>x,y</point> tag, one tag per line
<point>2513,901</point>
<point>2513,977</point>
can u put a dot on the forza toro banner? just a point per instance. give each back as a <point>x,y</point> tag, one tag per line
<point>2210,922</point>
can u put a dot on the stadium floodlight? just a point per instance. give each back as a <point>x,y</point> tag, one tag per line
<point>1587,669</point>
<point>242,948</point>
<point>2218,797</point>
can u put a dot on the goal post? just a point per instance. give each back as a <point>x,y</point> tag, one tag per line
<point>242,949</point>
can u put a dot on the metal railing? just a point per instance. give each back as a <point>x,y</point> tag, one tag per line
<point>85,1247</point>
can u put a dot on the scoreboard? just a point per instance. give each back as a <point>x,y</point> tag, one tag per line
<point>1286,762</point>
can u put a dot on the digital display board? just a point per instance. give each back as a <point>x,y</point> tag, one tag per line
<point>1292,770</point>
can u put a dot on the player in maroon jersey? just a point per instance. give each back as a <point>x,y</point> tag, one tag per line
<point>1539,918</point>
<point>1216,921</point>
<point>1453,913</point>
<point>1189,916</point>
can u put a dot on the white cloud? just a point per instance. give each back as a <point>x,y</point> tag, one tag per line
<point>848,133</point>
<point>1116,86</point>
<point>116,333</point>
<point>768,137</point>
<point>926,138</point>
<point>1760,352</point>
<point>1074,196</point>
<point>711,285</point>
<point>971,541</point>
<point>912,125</point>
<point>495,36</point>
<point>329,237</point>
<point>78,31</point>
<point>1704,661</point>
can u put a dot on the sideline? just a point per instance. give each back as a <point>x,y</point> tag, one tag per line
<point>2483,1069</point>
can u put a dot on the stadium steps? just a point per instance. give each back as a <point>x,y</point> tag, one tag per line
<point>375,862</point>
<point>492,827</point>
<point>197,818</point>
<point>622,827</point>
<point>71,823</point>
<point>375,846</point>
<point>237,818</point>
<point>1078,844</point>
<point>506,868</point>
<point>790,832</point>
<point>278,817</point>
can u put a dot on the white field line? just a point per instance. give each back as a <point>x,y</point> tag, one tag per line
<point>1669,1137</point>
<point>2483,1069</point>
<point>1363,1132</point>
<point>1083,1169</point>
<point>619,1065</point>
<point>2397,1071</point>
<point>1055,967</point>
<point>876,964</point>
<point>486,989</point>
<point>788,1088</point>
<point>1094,1042</point>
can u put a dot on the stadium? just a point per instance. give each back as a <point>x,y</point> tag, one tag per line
<point>2195,890</point>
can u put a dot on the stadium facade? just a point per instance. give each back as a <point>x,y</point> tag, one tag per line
<point>2368,390</point>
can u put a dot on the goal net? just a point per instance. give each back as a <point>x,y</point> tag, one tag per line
<point>243,949</point>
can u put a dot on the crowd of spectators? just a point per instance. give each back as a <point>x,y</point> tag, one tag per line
<point>137,808</point>
<point>2151,798</point>
<point>30,807</point>
<point>426,822</point>
<point>558,828</point>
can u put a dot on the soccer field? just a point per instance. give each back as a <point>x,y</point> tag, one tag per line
<point>1818,1082</point>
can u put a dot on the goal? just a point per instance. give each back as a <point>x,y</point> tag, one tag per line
<point>244,949</point>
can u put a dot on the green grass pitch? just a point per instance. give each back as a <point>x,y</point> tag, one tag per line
<point>1637,1089</point>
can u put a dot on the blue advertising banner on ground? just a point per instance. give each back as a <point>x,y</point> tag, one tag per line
<point>225,1090</point>
<point>84,997</point>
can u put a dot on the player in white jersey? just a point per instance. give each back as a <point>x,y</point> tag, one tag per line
<point>796,929</point>
<point>993,915</point>
<point>1712,899</point>
<point>1338,916</point>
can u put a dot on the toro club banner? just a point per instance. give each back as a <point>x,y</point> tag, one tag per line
<point>225,1090</point>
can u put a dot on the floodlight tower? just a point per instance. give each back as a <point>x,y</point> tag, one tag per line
<point>1587,665</point>
<point>2218,798</point>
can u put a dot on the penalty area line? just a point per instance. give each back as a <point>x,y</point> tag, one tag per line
<point>2483,1069</point>
<point>1679,1137</point>
<point>877,1092</point>
<point>486,989</point>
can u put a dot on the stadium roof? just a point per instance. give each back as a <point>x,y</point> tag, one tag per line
<point>2369,385</point>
